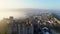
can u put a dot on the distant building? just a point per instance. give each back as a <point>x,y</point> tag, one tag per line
<point>20,27</point>
<point>28,26</point>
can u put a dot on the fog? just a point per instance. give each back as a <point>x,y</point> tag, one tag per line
<point>15,14</point>
<point>24,13</point>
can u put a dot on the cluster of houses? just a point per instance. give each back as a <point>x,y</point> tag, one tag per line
<point>29,25</point>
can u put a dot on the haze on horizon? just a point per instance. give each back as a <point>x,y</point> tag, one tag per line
<point>18,4</point>
<point>15,14</point>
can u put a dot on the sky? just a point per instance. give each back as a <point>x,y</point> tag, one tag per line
<point>18,4</point>
<point>41,4</point>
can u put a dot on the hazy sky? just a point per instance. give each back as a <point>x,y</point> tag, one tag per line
<point>17,4</point>
<point>42,4</point>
